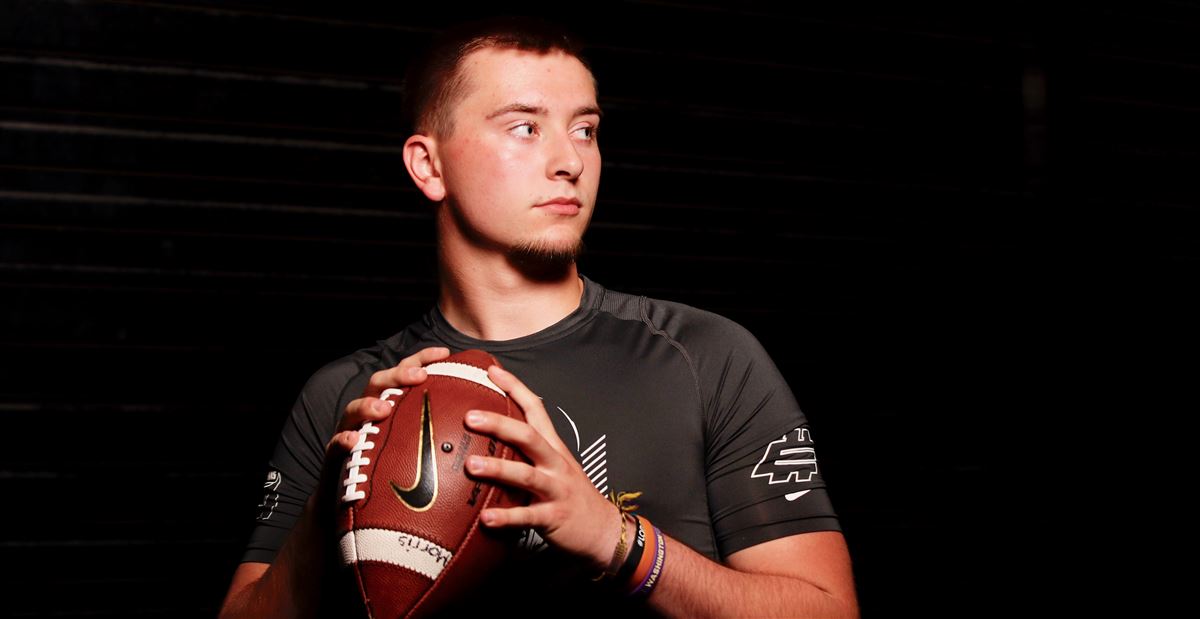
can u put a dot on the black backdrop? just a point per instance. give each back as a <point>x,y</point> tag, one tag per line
<point>202,202</point>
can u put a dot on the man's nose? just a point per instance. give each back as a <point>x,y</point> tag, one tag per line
<point>564,158</point>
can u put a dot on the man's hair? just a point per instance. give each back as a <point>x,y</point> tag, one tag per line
<point>434,83</point>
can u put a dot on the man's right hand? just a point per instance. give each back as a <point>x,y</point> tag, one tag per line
<point>291,586</point>
<point>409,372</point>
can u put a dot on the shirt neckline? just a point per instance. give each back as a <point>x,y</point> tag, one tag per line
<point>593,293</point>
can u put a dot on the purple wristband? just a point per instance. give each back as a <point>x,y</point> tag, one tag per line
<point>660,554</point>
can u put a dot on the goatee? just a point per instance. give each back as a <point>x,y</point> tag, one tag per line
<point>541,258</point>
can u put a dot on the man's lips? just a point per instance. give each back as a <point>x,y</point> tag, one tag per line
<point>562,206</point>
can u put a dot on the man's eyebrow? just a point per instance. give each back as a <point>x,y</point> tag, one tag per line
<point>538,110</point>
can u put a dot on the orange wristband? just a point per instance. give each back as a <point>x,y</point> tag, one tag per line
<point>643,588</point>
<point>650,543</point>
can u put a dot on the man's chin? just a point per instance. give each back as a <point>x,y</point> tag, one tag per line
<point>545,258</point>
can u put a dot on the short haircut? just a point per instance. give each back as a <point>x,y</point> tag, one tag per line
<point>434,82</point>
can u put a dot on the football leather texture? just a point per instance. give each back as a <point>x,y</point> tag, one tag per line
<point>408,515</point>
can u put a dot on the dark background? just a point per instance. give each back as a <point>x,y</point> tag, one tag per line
<point>943,222</point>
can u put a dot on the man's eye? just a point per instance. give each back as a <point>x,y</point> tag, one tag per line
<point>591,132</point>
<point>525,126</point>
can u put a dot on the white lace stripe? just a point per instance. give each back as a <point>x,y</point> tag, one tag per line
<point>397,548</point>
<point>355,460</point>
<point>465,372</point>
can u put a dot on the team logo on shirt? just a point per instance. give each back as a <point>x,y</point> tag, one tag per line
<point>270,495</point>
<point>792,459</point>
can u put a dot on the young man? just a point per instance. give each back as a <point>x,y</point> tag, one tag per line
<point>620,392</point>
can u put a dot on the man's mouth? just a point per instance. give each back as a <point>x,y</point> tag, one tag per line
<point>562,206</point>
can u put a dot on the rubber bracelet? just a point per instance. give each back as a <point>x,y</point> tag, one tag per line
<point>635,578</point>
<point>655,574</point>
<point>637,550</point>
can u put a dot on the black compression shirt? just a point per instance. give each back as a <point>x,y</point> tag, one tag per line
<point>653,396</point>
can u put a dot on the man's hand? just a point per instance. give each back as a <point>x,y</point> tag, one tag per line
<point>410,371</point>
<point>566,509</point>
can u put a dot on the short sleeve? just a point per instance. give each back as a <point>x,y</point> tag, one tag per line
<point>294,469</point>
<point>763,475</point>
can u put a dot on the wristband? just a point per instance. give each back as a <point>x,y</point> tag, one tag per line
<point>637,550</point>
<point>646,584</point>
<point>642,569</point>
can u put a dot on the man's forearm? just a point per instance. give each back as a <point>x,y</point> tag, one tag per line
<point>291,587</point>
<point>694,586</point>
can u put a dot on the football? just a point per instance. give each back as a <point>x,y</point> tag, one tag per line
<point>408,515</point>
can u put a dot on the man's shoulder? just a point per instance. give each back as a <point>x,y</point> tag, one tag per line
<point>334,376</point>
<point>686,324</point>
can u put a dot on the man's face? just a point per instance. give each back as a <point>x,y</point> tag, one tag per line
<point>523,136</point>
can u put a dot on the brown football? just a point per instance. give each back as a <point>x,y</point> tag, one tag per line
<point>408,516</point>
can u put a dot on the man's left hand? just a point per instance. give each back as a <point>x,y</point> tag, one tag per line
<point>565,508</point>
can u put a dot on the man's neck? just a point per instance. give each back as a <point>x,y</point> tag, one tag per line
<point>502,303</point>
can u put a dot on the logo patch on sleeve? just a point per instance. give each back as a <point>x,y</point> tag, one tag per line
<point>270,495</point>
<point>791,459</point>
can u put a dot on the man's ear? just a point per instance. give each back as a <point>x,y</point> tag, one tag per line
<point>420,157</point>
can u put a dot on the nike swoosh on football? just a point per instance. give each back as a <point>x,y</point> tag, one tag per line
<point>792,496</point>
<point>420,496</point>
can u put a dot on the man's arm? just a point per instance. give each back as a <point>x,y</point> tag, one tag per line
<point>289,587</point>
<point>247,573</point>
<point>804,575</point>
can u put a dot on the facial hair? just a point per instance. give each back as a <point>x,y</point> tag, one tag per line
<point>542,257</point>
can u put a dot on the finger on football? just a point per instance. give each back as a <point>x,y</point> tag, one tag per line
<point>410,371</point>
<point>510,517</point>
<point>531,405</point>
<point>341,443</point>
<point>511,473</point>
<point>398,376</point>
<point>520,435</point>
<point>425,356</point>
<point>363,410</point>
